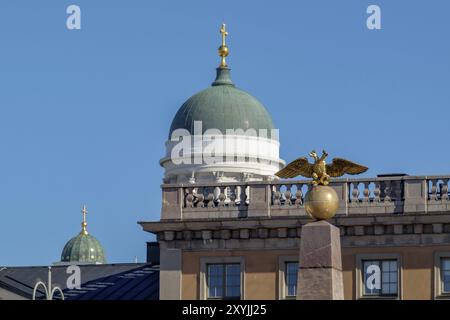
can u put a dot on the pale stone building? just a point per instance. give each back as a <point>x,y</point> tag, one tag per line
<point>231,230</point>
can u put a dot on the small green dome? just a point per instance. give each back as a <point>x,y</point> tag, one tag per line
<point>83,248</point>
<point>222,106</point>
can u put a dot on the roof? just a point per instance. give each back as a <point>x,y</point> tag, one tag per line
<point>83,248</point>
<point>98,282</point>
<point>222,106</point>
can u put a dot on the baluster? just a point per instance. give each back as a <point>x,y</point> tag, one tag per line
<point>189,198</point>
<point>238,194</point>
<point>216,193</point>
<point>282,197</point>
<point>232,196</point>
<point>444,190</point>
<point>433,191</point>
<point>288,194</point>
<point>209,198</point>
<point>355,192</point>
<point>299,195</point>
<point>366,192</point>
<point>276,195</point>
<point>377,192</point>
<point>200,200</point>
<point>246,195</point>
<point>222,197</point>
<point>387,191</point>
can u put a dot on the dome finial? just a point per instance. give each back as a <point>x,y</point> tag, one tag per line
<point>84,223</point>
<point>223,49</point>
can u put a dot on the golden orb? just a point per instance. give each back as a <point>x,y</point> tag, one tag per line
<point>321,202</point>
<point>223,51</point>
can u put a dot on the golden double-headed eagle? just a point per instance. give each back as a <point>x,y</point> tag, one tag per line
<point>319,171</point>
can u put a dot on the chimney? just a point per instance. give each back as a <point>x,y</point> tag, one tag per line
<point>153,253</point>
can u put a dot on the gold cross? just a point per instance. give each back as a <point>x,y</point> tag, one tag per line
<point>223,49</point>
<point>84,211</point>
<point>84,224</point>
<point>224,34</point>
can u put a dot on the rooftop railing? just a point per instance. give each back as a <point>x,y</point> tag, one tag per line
<point>380,195</point>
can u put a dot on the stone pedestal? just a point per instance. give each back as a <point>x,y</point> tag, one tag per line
<point>320,263</point>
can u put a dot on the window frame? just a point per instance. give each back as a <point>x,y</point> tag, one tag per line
<point>224,281</point>
<point>203,278</point>
<point>438,293</point>
<point>282,288</point>
<point>359,281</point>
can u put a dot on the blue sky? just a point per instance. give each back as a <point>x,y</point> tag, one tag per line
<point>84,114</point>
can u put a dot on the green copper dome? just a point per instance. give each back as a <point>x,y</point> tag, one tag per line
<point>83,248</point>
<point>222,106</point>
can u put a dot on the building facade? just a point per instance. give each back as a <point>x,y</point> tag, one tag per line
<point>399,223</point>
<point>231,229</point>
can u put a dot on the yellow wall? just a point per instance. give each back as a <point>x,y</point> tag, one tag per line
<point>261,270</point>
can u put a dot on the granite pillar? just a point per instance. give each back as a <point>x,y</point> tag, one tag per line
<point>320,263</point>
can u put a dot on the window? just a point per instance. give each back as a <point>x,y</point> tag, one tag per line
<point>290,275</point>
<point>224,281</point>
<point>445,275</point>
<point>380,277</point>
<point>287,276</point>
<point>222,278</point>
<point>442,275</point>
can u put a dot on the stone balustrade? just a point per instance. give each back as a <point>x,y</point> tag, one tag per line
<point>380,195</point>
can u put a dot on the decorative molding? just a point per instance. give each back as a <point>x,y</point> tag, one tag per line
<point>369,229</point>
